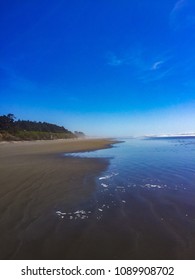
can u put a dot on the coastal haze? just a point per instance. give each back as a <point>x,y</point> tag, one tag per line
<point>97,129</point>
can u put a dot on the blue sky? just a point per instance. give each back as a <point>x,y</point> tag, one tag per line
<point>108,68</point>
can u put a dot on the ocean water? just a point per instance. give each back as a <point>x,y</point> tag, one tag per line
<point>143,206</point>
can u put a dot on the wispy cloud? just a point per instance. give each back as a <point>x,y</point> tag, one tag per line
<point>115,60</point>
<point>131,57</point>
<point>157,65</point>
<point>179,5</point>
<point>142,65</point>
<point>182,15</point>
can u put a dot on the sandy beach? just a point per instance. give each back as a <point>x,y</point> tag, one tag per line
<point>134,201</point>
<point>36,181</point>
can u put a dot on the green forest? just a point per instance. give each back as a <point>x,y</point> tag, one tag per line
<point>16,130</point>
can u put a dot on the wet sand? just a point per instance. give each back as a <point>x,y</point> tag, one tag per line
<point>36,181</point>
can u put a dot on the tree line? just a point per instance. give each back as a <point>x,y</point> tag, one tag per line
<point>10,127</point>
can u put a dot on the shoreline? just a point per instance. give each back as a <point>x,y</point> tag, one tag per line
<point>55,146</point>
<point>36,182</point>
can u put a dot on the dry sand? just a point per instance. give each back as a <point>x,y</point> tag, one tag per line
<point>35,181</point>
